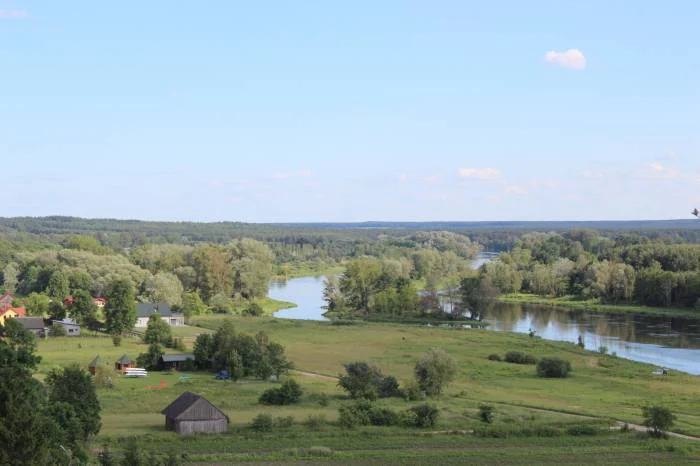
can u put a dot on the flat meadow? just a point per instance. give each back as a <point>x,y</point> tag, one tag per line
<point>531,413</point>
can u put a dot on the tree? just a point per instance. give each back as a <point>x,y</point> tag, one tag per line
<point>204,350</point>
<point>37,304</point>
<point>120,310</point>
<point>435,371</point>
<point>57,287</point>
<point>73,385</point>
<point>361,380</point>
<point>164,287</point>
<point>251,267</point>
<point>659,419</point>
<point>192,304</point>
<point>151,360</point>
<point>83,310</point>
<point>9,277</point>
<point>80,280</point>
<point>359,282</point>
<point>158,331</point>
<point>221,304</point>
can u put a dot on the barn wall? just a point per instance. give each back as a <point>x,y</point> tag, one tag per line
<point>210,427</point>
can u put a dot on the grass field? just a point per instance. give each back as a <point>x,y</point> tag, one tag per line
<point>595,305</point>
<point>600,386</point>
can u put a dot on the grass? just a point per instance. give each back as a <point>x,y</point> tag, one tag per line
<point>594,305</point>
<point>600,385</point>
<point>268,305</point>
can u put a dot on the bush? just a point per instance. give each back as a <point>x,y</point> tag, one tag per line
<point>262,423</point>
<point>117,340</point>
<point>494,357</point>
<point>423,416</point>
<point>383,417</point>
<point>178,343</point>
<point>388,387</point>
<point>254,310</point>
<point>355,414</point>
<point>413,392</point>
<point>289,393</point>
<point>659,419</point>
<point>486,413</point>
<point>323,400</point>
<point>553,368</point>
<point>582,429</point>
<point>285,421</point>
<point>435,371</point>
<point>516,357</point>
<point>603,349</point>
<point>57,330</point>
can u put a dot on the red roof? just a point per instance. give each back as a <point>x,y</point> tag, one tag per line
<point>20,311</point>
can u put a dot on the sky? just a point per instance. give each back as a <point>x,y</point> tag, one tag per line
<point>313,110</point>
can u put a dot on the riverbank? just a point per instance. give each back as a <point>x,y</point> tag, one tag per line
<point>594,305</point>
<point>268,305</point>
<point>289,272</point>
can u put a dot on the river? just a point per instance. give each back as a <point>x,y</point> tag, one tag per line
<point>671,342</point>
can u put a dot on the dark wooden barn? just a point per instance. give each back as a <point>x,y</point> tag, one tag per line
<point>177,361</point>
<point>191,413</point>
<point>94,364</point>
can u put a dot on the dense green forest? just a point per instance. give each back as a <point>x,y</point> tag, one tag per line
<point>628,268</point>
<point>219,267</point>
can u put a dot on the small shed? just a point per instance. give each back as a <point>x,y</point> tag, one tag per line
<point>191,413</point>
<point>94,364</point>
<point>71,326</point>
<point>35,325</point>
<point>123,363</point>
<point>175,361</point>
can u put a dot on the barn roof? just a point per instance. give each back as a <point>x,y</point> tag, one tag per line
<point>192,407</point>
<point>32,323</point>
<point>177,357</point>
<point>95,362</point>
<point>124,360</point>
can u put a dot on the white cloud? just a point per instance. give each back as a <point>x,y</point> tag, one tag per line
<point>572,59</point>
<point>479,173</point>
<point>662,171</point>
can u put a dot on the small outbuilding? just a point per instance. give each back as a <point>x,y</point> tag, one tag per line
<point>72,327</point>
<point>192,413</point>
<point>94,364</point>
<point>123,363</point>
<point>35,325</point>
<point>176,361</point>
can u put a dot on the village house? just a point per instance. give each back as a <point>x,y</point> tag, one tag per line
<point>35,325</point>
<point>11,313</point>
<point>71,326</point>
<point>191,413</point>
<point>145,310</point>
<point>6,300</point>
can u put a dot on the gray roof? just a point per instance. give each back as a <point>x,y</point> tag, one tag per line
<point>182,408</point>
<point>124,360</point>
<point>177,357</point>
<point>95,362</point>
<point>32,323</point>
<point>66,322</point>
<point>147,309</point>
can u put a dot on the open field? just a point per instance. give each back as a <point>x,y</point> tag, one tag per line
<point>600,386</point>
<point>595,305</point>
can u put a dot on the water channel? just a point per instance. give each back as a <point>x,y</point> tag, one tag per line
<point>672,342</point>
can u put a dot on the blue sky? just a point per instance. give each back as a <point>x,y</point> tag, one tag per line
<point>346,111</point>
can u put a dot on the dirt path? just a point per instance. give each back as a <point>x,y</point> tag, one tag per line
<point>618,424</point>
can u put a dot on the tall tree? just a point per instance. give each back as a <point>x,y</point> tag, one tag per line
<point>58,287</point>
<point>120,310</point>
<point>164,287</point>
<point>74,386</point>
<point>83,309</point>
<point>9,277</point>
<point>435,371</point>
<point>158,332</point>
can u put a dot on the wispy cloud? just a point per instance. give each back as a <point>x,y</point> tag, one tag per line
<point>13,13</point>
<point>479,173</point>
<point>593,174</point>
<point>572,59</point>
<point>517,190</point>
<point>663,171</point>
<point>657,171</point>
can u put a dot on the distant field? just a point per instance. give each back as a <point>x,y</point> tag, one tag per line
<point>601,386</point>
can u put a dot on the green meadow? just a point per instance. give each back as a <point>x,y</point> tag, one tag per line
<point>532,415</point>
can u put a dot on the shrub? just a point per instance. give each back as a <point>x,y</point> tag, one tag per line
<point>289,393</point>
<point>486,413</point>
<point>516,357</point>
<point>262,423</point>
<point>285,421</point>
<point>494,357</point>
<point>57,330</point>
<point>413,392</point>
<point>423,416</point>
<point>253,310</point>
<point>117,340</point>
<point>582,429</point>
<point>659,419</point>
<point>553,368</point>
<point>603,349</point>
<point>383,417</point>
<point>323,400</point>
<point>388,387</point>
<point>355,414</point>
<point>178,343</point>
<point>435,371</point>
<point>315,421</point>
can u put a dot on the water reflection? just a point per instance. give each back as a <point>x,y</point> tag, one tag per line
<point>306,293</point>
<point>670,341</point>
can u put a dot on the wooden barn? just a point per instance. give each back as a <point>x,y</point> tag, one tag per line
<point>191,413</point>
<point>123,363</point>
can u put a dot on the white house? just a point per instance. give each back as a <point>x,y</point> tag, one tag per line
<point>71,326</point>
<point>145,310</point>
